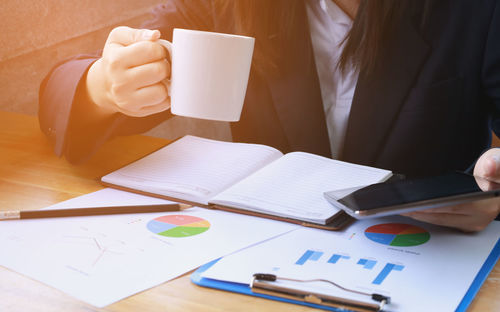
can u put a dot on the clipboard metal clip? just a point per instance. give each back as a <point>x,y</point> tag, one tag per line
<point>263,284</point>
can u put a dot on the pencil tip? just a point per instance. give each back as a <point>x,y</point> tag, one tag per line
<point>184,206</point>
<point>10,215</point>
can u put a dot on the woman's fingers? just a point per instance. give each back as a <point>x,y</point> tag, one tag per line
<point>148,74</point>
<point>468,217</point>
<point>144,101</point>
<point>125,36</point>
<point>488,165</point>
<point>130,73</point>
<point>139,53</point>
<point>148,110</point>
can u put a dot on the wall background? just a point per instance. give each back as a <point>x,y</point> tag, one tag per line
<point>37,34</point>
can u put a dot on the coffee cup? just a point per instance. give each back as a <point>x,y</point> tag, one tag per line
<point>209,73</point>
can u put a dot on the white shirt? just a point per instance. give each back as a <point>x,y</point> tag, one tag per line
<point>329,25</point>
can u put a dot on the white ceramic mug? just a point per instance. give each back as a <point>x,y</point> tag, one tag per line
<point>209,73</point>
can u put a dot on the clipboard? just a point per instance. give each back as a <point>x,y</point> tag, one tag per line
<point>245,289</point>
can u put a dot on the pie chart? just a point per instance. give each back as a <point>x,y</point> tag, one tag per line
<point>178,225</point>
<point>397,234</point>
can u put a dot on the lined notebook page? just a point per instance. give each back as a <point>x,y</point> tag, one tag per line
<point>293,186</point>
<point>193,168</point>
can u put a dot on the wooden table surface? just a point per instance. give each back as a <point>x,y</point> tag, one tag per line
<point>32,177</point>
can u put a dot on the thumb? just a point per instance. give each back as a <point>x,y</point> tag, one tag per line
<point>488,165</point>
<point>124,36</point>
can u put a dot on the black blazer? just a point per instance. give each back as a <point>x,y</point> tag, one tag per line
<point>428,106</point>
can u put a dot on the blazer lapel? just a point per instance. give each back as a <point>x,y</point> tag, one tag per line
<point>380,95</point>
<point>296,93</point>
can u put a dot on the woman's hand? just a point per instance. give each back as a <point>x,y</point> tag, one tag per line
<point>474,216</point>
<point>128,77</point>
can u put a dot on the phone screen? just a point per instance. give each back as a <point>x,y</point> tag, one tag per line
<point>404,192</point>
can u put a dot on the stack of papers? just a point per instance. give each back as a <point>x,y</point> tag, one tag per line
<point>102,259</point>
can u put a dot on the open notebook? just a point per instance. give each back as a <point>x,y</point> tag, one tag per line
<point>249,178</point>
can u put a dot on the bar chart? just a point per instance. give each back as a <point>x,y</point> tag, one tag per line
<point>315,256</point>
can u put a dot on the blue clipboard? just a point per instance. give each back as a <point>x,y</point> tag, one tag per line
<point>245,289</point>
<point>480,278</point>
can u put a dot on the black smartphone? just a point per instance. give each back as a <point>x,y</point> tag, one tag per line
<point>407,195</point>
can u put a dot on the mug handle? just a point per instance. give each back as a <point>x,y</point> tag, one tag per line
<point>167,82</point>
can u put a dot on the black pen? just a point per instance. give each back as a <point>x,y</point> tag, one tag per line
<point>89,211</point>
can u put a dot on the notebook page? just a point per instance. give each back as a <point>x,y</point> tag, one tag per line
<point>193,168</point>
<point>293,186</point>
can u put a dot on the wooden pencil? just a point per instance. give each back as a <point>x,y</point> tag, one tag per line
<point>88,211</point>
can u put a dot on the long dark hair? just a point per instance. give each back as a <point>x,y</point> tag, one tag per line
<point>267,19</point>
<point>375,21</point>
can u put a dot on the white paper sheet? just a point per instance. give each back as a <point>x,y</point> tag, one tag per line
<point>103,259</point>
<point>432,275</point>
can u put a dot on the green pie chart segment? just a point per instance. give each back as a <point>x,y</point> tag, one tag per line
<point>397,234</point>
<point>183,231</point>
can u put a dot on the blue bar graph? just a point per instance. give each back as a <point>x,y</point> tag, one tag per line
<point>309,255</point>
<point>385,272</point>
<point>335,257</point>
<point>367,264</point>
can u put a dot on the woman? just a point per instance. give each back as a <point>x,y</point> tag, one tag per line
<point>416,89</point>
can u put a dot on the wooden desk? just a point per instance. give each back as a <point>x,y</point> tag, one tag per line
<point>31,177</point>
